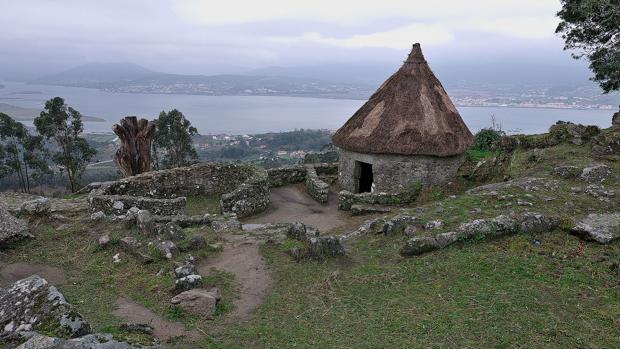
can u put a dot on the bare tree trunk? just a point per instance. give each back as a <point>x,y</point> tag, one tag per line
<point>27,177</point>
<point>136,136</point>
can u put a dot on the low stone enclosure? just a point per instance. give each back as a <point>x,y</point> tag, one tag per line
<point>244,189</point>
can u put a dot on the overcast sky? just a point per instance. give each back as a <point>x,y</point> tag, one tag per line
<point>220,36</point>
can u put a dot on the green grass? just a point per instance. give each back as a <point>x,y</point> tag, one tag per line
<point>542,161</point>
<point>94,283</point>
<point>476,155</point>
<point>501,294</point>
<point>199,205</point>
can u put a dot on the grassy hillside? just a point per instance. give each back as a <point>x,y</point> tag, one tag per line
<point>542,290</point>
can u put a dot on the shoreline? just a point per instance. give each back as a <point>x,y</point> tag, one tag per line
<point>336,97</point>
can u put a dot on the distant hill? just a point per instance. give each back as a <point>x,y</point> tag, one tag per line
<point>360,74</point>
<point>470,83</point>
<point>97,75</point>
<point>131,78</point>
<point>28,114</point>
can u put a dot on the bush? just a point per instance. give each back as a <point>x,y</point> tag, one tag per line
<point>485,139</point>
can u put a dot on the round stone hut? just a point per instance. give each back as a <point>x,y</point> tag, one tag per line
<point>407,132</point>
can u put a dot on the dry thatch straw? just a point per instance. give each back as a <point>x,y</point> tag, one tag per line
<point>410,114</point>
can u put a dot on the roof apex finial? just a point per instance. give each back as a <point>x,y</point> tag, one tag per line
<point>416,56</point>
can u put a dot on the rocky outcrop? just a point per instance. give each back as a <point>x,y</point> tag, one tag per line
<point>91,341</point>
<point>11,228</point>
<point>602,228</point>
<point>600,192</point>
<point>607,145</point>
<point>528,184</point>
<point>199,301</point>
<point>346,199</point>
<point>132,246</point>
<point>322,247</point>
<point>532,222</point>
<point>32,304</point>
<point>572,133</point>
<point>368,227</point>
<point>566,172</point>
<point>529,222</point>
<point>188,282</point>
<point>145,222</point>
<point>595,173</point>
<point>315,245</point>
<point>167,249</point>
<point>37,207</point>
<point>185,270</point>
<point>171,231</point>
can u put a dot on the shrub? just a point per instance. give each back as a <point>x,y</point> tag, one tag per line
<point>485,139</point>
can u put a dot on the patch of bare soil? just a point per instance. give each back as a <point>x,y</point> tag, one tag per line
<point>243,259</point>
<point>163,329</point>
<point>9,273</point>
<point>292,204</point>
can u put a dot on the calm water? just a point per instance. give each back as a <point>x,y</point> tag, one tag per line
<point>244,114</point>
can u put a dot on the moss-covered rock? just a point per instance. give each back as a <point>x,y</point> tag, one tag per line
<point>32,304</point>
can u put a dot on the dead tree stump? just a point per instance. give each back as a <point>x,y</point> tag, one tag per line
<point>136,136</point>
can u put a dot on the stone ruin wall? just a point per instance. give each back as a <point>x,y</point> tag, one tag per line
<point>393,174</point>
<point>119,204</point>
<point>286,175</point>
<point>199,179</point>
<point>318,189</point>
<point>249,198</point>
<point>244,190</point>
<point>307,174</point>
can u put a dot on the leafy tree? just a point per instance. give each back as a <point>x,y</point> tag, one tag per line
<point>21,153</point>
<point>63,125</point>
<point>592,27</point>
<point>172,142</point>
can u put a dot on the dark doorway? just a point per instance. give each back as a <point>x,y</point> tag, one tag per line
<point>365,178</point>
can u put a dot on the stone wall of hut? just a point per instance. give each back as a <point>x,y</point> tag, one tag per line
<point>395,173</point>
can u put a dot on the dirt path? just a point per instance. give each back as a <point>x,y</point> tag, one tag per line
<point>163,329</point>
<point>252,276</point>
<point>9,273</point>
<point>292,204</point>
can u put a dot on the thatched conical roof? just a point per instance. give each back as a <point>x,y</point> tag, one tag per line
<point>410,114</point>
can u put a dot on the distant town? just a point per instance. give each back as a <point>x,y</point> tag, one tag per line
<point>131,78</point>
<point>485,96</point>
